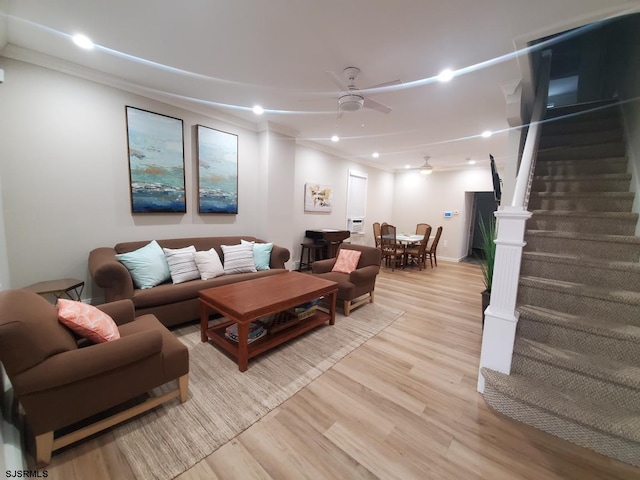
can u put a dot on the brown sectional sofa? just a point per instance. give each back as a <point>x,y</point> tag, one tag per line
<point>171,304</point>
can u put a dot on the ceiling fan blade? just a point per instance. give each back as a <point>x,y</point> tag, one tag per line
<point>338,81</point>
<point>381,107</point>
<point>385,84</point>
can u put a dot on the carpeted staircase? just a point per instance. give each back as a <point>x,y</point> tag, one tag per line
<point>576,363</point>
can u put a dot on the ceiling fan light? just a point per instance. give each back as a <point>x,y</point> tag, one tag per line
<point>350,102</point>
<point>426,170</point>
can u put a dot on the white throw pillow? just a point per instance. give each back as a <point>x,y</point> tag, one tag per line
<point>181,264</point>
<point>209,264</point>
<point>238,258</point>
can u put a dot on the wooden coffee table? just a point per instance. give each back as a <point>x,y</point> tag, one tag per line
<point>244,302</point>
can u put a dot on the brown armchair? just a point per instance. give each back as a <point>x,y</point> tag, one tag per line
<point>360,282</point>
<point>58,383</point>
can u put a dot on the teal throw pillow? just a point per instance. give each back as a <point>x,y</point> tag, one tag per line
<point>148,265</point>
<point>261,254</point>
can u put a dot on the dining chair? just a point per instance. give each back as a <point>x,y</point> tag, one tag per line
<point>421,228</point>
<point>391,249</point>
<point>418,251</point>
<point>376,233</point>
<point>431,251</point>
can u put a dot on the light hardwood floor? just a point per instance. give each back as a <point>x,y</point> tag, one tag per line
<point>402,406</point>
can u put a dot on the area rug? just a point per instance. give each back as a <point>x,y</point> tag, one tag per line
<point>223,401</point>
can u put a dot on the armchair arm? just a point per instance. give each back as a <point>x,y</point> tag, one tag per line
<point>110,274</point>
<point>122,311</point>
<point>364,274</point>
<point>279,256</point>
<point>76,365</point>
<point>323,266</point>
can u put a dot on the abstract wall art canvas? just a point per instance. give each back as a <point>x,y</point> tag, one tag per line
<point>217,171</point>
<point>156,162</point>
<point>317,198</point>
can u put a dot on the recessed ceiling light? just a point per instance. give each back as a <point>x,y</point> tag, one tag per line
<point>445,75</point>
<point>487,133</point>
<point>258,110</point>
<point>407,166</point>
<point>335,138</point>
<point>375,154</point>
<point>83,41</point>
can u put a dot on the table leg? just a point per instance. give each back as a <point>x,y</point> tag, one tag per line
<point>243,346</point>
<point>204,322</point>
<point>332,308</point>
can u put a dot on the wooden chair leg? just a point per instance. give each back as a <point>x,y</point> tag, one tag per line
<point>44,447</point>
<point>347,307</point>
<point>370,297</point>
<point>183,386</point>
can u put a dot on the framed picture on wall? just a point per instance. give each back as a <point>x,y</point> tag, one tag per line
<point>156,162</point>
<point>317,198</point>
<point>217,171</point>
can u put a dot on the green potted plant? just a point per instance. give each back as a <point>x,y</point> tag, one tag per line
<point>488,236</point>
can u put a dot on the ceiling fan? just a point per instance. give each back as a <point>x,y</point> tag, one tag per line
<point>351,99</point>
<point>425,168</point>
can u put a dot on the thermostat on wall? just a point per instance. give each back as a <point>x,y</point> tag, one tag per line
<point>447,214</point>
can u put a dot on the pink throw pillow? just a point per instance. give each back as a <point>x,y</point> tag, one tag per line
<point>87,321</point>
<point>347,261</point>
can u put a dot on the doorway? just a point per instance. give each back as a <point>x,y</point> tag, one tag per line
<point>483,204</point>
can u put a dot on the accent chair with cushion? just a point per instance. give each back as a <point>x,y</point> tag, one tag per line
<point>60,378</point>
<point>357,283</point>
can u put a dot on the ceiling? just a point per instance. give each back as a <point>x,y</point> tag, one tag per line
<point>223,57</point>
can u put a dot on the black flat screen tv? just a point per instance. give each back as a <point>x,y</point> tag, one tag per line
<point>497,189</point>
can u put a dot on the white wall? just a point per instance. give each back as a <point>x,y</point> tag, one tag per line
<point>319,167</point>
<point>278,178</point>
<point>424,199</point>
<point>65,180</point>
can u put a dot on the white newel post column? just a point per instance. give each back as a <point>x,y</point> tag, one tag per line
<point>500,317</point>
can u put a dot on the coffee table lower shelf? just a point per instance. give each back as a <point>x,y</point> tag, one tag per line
<point>216,335</point>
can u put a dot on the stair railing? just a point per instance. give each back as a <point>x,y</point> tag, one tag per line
<point>501,317</point>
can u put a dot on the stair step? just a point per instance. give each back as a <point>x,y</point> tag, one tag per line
<point>625,248</point>
<point>576,124</point>
<point>613,305</point>
<point>602,427</point>
<point>618,182</point>
<point>572,268</point>
<point>597,166</point>
<point>607,135</point>
<point>580,333</point>
<point>582,201</point>
<point>613,223</point>
<point>600,150</point>
<point>585,111</point>
<point>594,376</point>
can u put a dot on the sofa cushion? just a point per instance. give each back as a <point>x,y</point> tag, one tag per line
<point>87,321</point>
<point>347,261</point>
<point>261,254</point>
<point>170,293</point>
<point>182,264</point>
<point>209,264</point>
<point>147,265</point>
<point>238,258</point>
